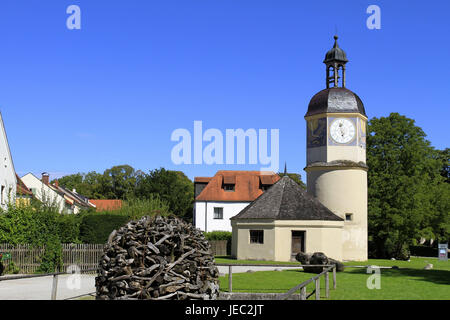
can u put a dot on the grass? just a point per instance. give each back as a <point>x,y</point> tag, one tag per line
<point>228,260</point>
<point>409,282</point>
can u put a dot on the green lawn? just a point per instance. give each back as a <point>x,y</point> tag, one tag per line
<point>408,282</point>
<point>228,260</point>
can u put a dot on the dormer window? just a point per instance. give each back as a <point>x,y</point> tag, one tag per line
<point>229,183</point>
<point>229,187</point>
<point>265,187</point>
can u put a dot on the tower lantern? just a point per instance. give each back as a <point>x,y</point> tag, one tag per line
<point>335,61</point>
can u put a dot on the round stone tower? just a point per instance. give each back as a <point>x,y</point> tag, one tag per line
<point>336,154</point>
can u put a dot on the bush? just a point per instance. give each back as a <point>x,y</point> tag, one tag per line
<point>136,208</point>
<point>39,225</point>
<point>218,235</point>
<point>95,228</point>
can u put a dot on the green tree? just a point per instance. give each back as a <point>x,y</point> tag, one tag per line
<point>173,187</point>
<point>88,184</point>
<point>119,181</point>
<point>296,177</point>
<point>404,174</point>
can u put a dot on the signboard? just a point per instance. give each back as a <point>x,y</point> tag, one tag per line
<point>443,251</point>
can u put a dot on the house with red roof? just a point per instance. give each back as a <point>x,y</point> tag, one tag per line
<point>221,197</point>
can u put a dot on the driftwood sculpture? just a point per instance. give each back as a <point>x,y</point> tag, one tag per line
<point>157,258</point>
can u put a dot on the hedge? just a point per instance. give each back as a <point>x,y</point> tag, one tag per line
<point>96,228</point>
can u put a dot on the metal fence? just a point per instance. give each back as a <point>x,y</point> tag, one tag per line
<point>301,287</point>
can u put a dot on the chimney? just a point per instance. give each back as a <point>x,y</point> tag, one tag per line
<point>45,178</point>
<point>57,183</point>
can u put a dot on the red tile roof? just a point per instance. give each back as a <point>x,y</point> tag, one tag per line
<point>202,179</point>
<point>247,185</point>
<point>22,188</point>
<point>107,205</point>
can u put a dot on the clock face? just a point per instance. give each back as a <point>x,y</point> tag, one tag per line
<point>342,130</point>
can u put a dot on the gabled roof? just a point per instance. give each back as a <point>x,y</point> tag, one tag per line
<point>21,187</point>
<point>247,185</point>
<point>2,124</point>
<point>73,197</point>
<point>286,200</point>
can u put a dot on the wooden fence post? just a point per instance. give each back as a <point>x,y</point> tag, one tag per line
<point>334,277</point>
<point>230,279</point>
<point>318,288</point>
<point>303,293</point>
<point>54,286</point>
<point>327,285</point>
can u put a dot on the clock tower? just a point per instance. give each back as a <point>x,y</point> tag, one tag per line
<point>336,154</point>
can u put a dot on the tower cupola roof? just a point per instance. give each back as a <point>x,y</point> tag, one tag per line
<point>336,53</point>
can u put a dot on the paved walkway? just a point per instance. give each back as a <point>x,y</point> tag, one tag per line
<point>41,288</point>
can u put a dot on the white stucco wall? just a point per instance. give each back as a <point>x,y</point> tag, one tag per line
<point>8,181</point>
<point>230,209</point>
<point>43,192</point>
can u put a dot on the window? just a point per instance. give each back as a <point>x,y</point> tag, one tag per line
<point>218,213</point>
<point>265,187</point>
<point>228,187</point>
<point>348,217</point>
<point>257,236</point>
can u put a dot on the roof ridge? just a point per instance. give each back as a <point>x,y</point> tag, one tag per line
<point>282,195</point>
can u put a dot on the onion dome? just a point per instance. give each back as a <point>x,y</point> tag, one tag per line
<point>336,53</point>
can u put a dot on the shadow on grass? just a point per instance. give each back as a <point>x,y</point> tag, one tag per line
<point>435,276</point>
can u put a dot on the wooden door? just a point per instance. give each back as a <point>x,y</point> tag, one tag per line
<point>298,242</point>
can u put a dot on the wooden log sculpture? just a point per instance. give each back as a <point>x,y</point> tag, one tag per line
<point>157,258</point>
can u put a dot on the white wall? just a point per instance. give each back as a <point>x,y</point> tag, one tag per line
<point>230,209</point>
<point>8,181</point>
<point>43,192</point>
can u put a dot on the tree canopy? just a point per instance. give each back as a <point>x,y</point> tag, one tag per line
<point>408,198</point>
<point>124,182</point>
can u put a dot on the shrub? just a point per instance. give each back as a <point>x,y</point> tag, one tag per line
<point>95,228</point>
<point>218,235</point>
<point>136,208</point>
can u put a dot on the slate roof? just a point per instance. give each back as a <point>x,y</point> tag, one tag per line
<point>336,53</point>
<point>335,100</point>
<point>247,185</point>
<point>286,200</point>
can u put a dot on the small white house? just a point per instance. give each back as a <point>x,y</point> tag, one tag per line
<point>219,198</point>
<point>8,180</point>
<point>66,201</point>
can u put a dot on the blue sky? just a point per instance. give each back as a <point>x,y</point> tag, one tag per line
<point>113,92</point>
